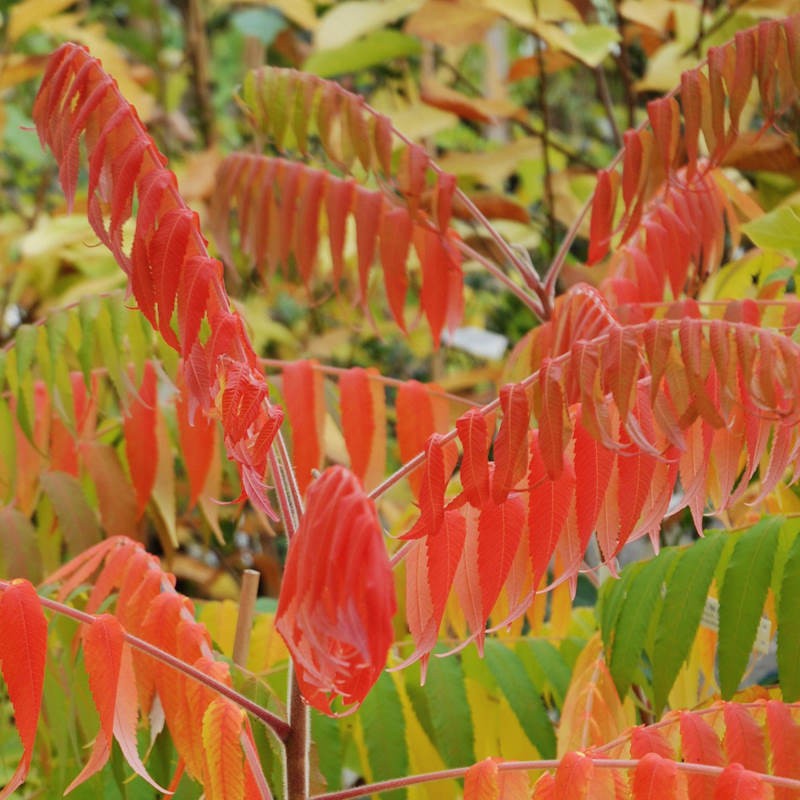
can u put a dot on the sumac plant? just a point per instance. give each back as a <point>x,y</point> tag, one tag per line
<point>647,392</point>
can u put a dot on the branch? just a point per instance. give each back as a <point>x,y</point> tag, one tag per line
<point>279,726</point>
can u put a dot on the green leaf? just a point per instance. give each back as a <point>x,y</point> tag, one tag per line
<point>687,589</point>
<point>778,230</point>
<point>634,619</point>
<point>522,695</point>
<point>109,338</point>
<point>56,332</point>
<point>263,24</point>
<point>789,626</point>
<point>546,666</point>
<point>592,43</point>
<point>25,347</point>
<point>443,710</point>
<point>384,728</point>
<point>611,599</point>
<point>326,737</point>
<point>77,520</point>
<point>375,48</point>
<point>8,453</point>
<point>19,553</point>
<point>741,600</point>
<point>87,314</point>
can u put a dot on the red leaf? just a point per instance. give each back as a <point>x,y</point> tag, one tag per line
<point>368,208</point>
<point>744,739</point>
<point>737,783</point>
<point>475,437</point>
<point>438,258</point>
<point>665,122</point>
<point>549,410</point>
<point>306,231</point>
<point>337,599</point>
<point>645,739</point>
<point>103,641</point>
<point>411,175</point>
<point>573,776</point>
<point>499,530</point>
<point>395,240</point>
<point>435,475</point>
<point>593,465</point>
<point>655,778</point>
<point>302,393</point>
<point>430,570</point>
<point>23,650</point>
<point>481,781</point>
<point>197,443</point>
<point>700,745</point>
<point>511,445</point>
<point>415,423</point>
<point>549,503</point>
<point>141,446</point>
<point>338,203</point>
<point>784,735</point>
<point>603,203</point>
<point>199,278</point>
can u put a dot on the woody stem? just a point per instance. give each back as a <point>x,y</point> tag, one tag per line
<point>296,743</point>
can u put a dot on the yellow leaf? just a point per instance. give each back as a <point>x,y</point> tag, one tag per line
<point>422,755</point>
<point>66,26</point>
<point>30,13</point>
<point>223,777</point>
<point>16,68</point>
<point>267,649</point>
<point>345,22</point>
<point>220,619</point>
<point>593,713</point>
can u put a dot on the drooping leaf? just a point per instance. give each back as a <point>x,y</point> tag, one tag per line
<point>139,426</point>
<point>384,728</point>
<point>741,600</point>
<point>789,626</point>
<point>522,695</point>
<point>684,600</point>
<point>23,649</point>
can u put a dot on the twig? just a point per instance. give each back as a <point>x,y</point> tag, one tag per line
<point>244,620</point>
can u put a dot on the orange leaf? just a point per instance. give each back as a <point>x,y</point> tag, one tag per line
<point>656,778</point>
<point>573,777</point>
<point>744,739</point>
<point>337,598</point>
<point>302,393</point>
<point>395,241</point>
<point>473,432</point>
<point>481,781</point>
<point>603,202</point>
<point>141,447</point>
<point>338,203</point>
<point>700,745</point>
<point>511,445</point>
<point>198,441</point>
<point>415,423</point>
<point>368,212</point>
<point>549,503</point>
<point>23,650</point>
<point>737,783</point>
<point>223,768</point>
<point>784,735</point>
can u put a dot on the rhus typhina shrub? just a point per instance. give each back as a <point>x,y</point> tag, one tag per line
<point>635,397</point>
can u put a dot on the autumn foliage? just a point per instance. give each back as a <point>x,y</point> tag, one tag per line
<point>633,398</point>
